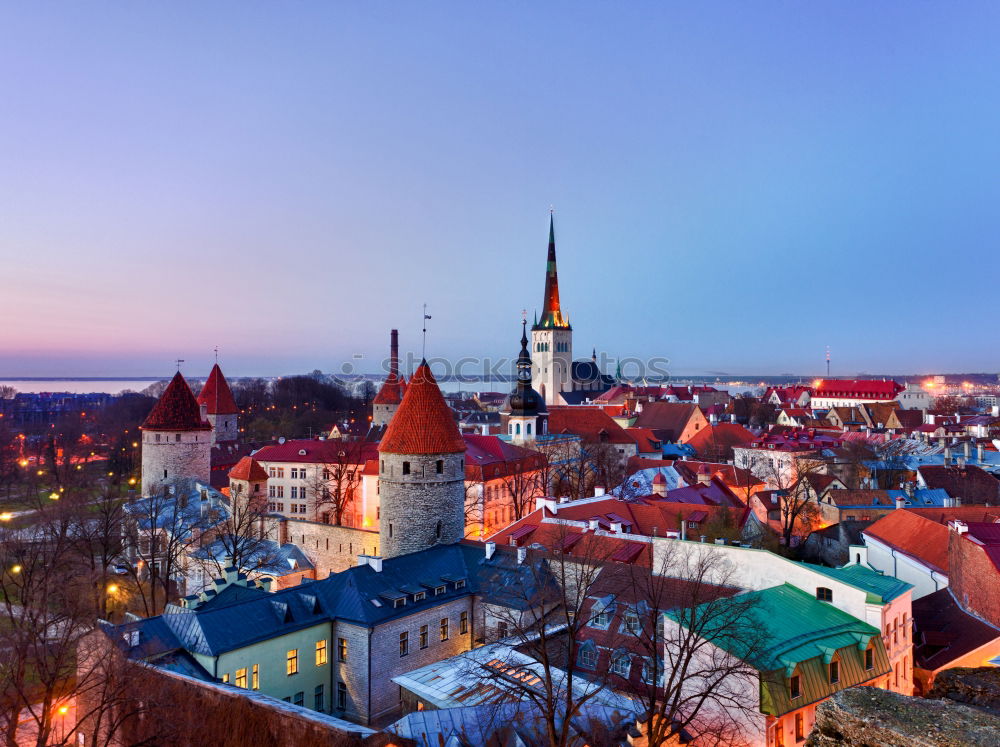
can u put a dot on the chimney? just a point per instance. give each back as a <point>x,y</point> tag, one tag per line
<point>949,502</point>
<point>684,528</point>
<point>900,501</point>
<point>979,453</point>
<point>703,538</point>
<point>616,527</point>
<point>522,555</point>
<point>960,462</point>
<point>593,524</point>
<point>394,352</point>
<point>704,476</point>
<point>947,456</point>
<point>375,563</point>
<point>598,491</point>
<point>491,547</point>
<point>958,526</point>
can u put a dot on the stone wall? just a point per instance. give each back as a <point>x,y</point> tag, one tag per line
<point>974,580</point>
<point>330,548</point>
<point>421,508</point>
<point>170,459</point>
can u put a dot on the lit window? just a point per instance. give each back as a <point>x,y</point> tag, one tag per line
<point>342,649</point>
<point>225,677</point>
<point>292,661</point>
<point>320,653</point>
<point>463,623</point>
<point>444,628</point>
<point>241,678</point>
<point>423,636</point>
<point>255,677</point>
<point>800,731</point>
<point>404,643</point>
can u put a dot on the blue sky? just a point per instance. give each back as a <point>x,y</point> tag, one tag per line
<point>736,185</point>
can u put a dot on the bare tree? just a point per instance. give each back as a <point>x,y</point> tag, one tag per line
<point>240,538</point>
<point>797,511</point>
<point>668,619</point>
<point>337,478</point>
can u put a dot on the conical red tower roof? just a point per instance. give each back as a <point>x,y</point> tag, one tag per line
<point>423,424</point>
<point>216,394</point>
<point>177,410</point>
<point>391,392</point>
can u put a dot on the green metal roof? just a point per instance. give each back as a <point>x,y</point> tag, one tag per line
<point>881,588</point>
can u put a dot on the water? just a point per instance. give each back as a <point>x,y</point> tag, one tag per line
<point>78,386</point>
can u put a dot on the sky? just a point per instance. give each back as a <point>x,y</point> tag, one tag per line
<point>736,185</point>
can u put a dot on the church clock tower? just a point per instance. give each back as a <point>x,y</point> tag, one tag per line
<point>552,336</point>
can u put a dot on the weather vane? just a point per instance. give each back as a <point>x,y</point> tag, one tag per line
<point>179,362</point>
<point>216,353</point>
<point>423,345</point>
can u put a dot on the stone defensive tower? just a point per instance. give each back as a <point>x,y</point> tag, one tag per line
<point>387,400</point>
<point>176,441</point>
<point>219,408</point>
<point>421,472</point>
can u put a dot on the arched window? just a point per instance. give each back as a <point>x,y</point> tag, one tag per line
<point>517,429</point>
<point>824,594</point>
<point>527,428</point>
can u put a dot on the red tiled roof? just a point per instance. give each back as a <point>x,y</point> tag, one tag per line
<point>488,457</point>
<point>391,392</point>
<point>858,388</point>
<point>423,424</point>
<point>248,469</point>
<point>670,418</point>
<point>914,535</point>
<point>313,451</point>
<point>176,410</point>
<point>216,395</point>
<point>646,439</point>
<point>589,423</point>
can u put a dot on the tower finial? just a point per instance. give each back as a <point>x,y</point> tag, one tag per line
<point>179,362</point>
<point>216,353</point>
<point>423,345</point>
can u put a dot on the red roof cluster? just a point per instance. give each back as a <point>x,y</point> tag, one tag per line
<point>592,424</point>
<point>248,469</point>
<point>176,410</point>
<point>314,451</point>
<point>424,423</point>
<point>216,395</point>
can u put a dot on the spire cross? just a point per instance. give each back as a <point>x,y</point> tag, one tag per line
<point>524,315</point>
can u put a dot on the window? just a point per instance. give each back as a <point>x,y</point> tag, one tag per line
<point>632,623</point>
<point>401,602</point>
<point>460,584</point>
<point>438,590</point>
<point>602,619</point>
<point>292,661</point>
<point>869,658</point>
<point>587,658</point>
<point>501,629</point>
<point>295,492</point>
<point>444,628</point>
<point>318,698</point>
<point>320,653</point>
<point>621,664</point>
<point>463,623</point>
<point>439,466</point>
<point>404,643</point>
<point>406,468</point>
<point>800,731</point>
<point>241,678</point>
<point>341,696</point>
<point>342,649</point>
<point>300,698</point>
<point>225,678</point>
<point>793,686</point>
<point>255,677</point>
<point>824,594</point>
<point>157,438</point>
<point>302,493</point>
<point>834,672</point>
<point>177,437</point>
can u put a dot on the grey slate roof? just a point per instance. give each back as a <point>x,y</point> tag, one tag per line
<point>232,623</point>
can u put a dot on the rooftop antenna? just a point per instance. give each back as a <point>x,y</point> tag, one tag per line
<point>828,361</point>
<point>179,362</point>
<point>423,345</point>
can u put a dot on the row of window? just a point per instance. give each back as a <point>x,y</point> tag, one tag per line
<point>177,437</point>
<point>444,631</point>
<point>545,347</point>
<point>319,701</point>
<point>620,664</point>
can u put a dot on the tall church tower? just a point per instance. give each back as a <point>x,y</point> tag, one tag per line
<point>552,336</point>
<point>523,416</point>
<point>421,472</point>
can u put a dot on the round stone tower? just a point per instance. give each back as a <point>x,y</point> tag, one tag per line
<point>219,408</point>
<point>176,442</point>
<point>421,472</point>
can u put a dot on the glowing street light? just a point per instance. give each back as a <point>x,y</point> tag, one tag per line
<point>23,462</point>
<point>54,496</point>
<point>112,588</point>
<point>15,569</point>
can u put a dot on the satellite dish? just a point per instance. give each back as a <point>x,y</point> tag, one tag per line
<point>281,440</point>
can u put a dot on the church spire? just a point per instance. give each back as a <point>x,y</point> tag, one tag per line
<point>552,315</point>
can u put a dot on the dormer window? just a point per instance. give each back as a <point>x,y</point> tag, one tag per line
<point>397,603</point>
<point>824,594</point>
<point>794,687</point>
<point>834,672</point>
<point>460,584</point>
<point>419,596</point>
<point>439,590</point>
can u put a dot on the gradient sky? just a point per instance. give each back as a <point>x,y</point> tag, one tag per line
<point>736,185</point>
